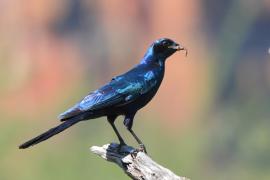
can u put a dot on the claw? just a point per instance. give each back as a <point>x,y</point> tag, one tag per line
<point>142,148</point>
<point>134,153</point>
<point>120,147</point>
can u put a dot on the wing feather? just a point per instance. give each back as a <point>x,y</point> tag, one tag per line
<point>120,91</point>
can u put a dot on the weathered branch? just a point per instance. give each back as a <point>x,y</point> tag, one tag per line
<point>136,164</point>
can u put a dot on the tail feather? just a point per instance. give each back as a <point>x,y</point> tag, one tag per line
<point>46,135</point>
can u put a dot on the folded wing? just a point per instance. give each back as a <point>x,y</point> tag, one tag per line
<point>118,92</point>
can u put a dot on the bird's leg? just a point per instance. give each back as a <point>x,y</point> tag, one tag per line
<point>142,146</point>
<point>122,142</point>
<point>128,122</point>
<point>111,120</point>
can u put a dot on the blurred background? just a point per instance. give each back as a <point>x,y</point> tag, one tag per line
<point>209,120</point>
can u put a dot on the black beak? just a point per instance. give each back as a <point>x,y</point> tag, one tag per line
<point>177,47</point>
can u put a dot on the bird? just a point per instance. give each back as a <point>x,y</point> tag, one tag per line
<point>124,95</point>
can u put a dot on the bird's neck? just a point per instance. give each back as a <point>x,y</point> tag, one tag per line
<point>150,58</point>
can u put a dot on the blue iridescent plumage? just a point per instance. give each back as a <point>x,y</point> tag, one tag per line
<point>121,90</point>
<point>123,95</point>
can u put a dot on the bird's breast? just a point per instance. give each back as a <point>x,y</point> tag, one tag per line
<point>150,86</point>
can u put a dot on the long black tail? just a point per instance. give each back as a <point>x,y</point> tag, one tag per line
<point>50,133</point>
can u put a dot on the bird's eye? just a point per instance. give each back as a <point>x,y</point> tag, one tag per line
<point>165,43</point>
<point>162,46</point>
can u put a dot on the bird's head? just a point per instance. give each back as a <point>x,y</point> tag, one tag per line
<point>162,49</point>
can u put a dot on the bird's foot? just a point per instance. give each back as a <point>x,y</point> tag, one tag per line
<point>142,148</point>
<point>119,148</point>
<point>136,151</point>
